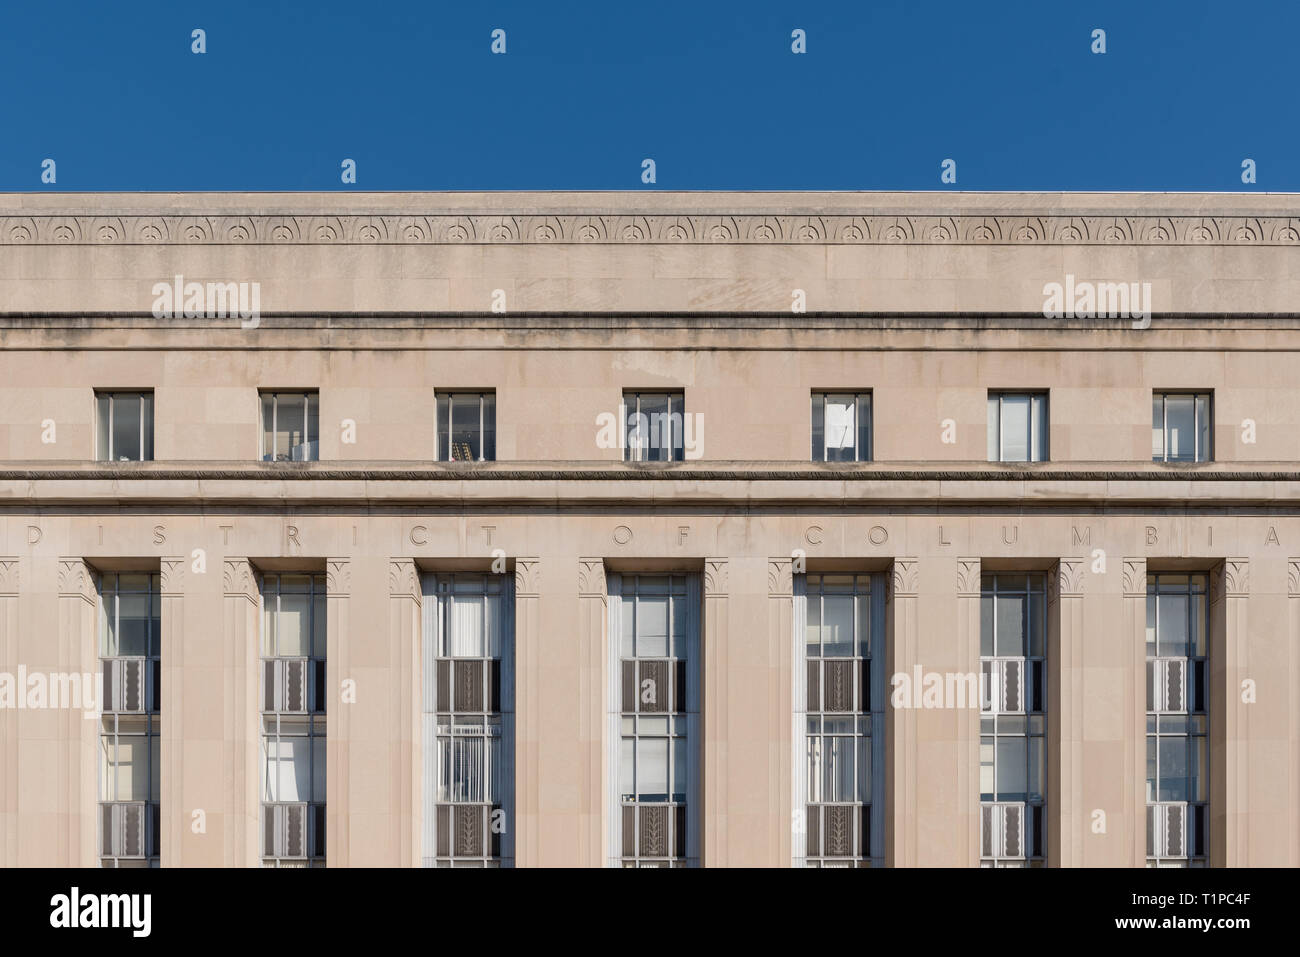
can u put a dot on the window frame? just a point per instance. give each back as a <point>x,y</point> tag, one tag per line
<point>444,430</point>
<point>1000,395</point>
<point>271,428</point>
<point>864,425</point>
<point>639,452</point>
<point>1163,395</point>
<point>146,398</point>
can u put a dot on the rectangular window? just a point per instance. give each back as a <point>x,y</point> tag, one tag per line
<point>467,426</point>
<point>1177,680</point>
<point>124,426</point>
<point>1017,426</point>
<point>839,697</point>
<point>293,720</point>
<point>841,427</point>
<point>468,720</point>
<point>654,720</point>
<point>290,426</point>
<point>130,617</point>
<point>654,426</point>
<point>1013,716</point>
<point>1180,427</point>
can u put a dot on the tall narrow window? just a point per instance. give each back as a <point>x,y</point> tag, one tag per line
<point>1013,716</point>
<point>290,426</point>
<point>841,427</point>
<point>293,720</point>
<point>655,426</point>
<point>124,426</point>
<point>1017,426</point>
<point>467,426</point>
<point>839,739</point>
<point>468,720</point>
<point>1178,768</point>
<point>654,721</point>
<point>129,634</point>
<point>1180,427</point>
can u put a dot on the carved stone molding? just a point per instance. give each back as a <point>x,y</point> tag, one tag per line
<point>338,577</point>
<point>1135,577</point>
<point>591,577</point>
<point>663,227</point>
<point>528,576</point>
<point>1230,579</point>
<point>238,579</point>
<point>716,576</point>
<point>968,576</point>
<point>904,578</point>
<point>1293,577</point>
<point>403,578</point>
<point>8,576</point>
<point>76,579</point>
<point>780,577</point>
<point>1069,577</point>
<point>172,575</point>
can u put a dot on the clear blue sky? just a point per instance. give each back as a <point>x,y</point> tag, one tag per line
<point>709,89</point>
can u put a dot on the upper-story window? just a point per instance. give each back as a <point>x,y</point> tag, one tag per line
<point>655,426</point>
<point>1017,426</point>
<point>467,426</point>
<point>1180,427</point>
<point>124,427</point>
<point>290,426</point>
<point>841,427</point>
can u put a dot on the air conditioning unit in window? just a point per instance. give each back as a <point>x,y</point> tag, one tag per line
<point>284,831</point>
<point>284,685</point>
<point>1167,830</point>
<point>1002,830</point>
<point>124,684</point>
<point>1002,686</point>
<point>124,830</point>
<point>1167,684</point>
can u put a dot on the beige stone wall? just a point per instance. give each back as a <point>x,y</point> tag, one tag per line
<point>698,300</point>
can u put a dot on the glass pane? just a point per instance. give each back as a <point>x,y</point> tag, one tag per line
<point>679,769</point>
<point>652,615</point>
<point>1037,625</point>
<point>837,629</point>
<point>841,428</point>
<point>268,423</point>
<point>680,648</point>
<point>1157,428</point>
<point>290,426</point>
<point>146,406</point>
<point>864,428</point>
<point>490,427</point>
<point>126,428</point>
<point>292,769</point>
<point>627,769</point>
<point>1202,428</point>
<point>107,784</point>
<point>132,768</point>
<point>986,769</point>
<point>986,626</point>
<point>815,769</point>
<point>864,769</point>
<point>994,430</point>
<point>1173,768</point>
<point>628,618</point>
<point>654,428</point>
<point>1151,767</point>
<point>1012,781</point>
<point>102,450</point>
<point>318,769</point>
<point>310,444</point>
<point>1010,625</point>
<point>1181,413</point>
<point>812,635</point>
<point>1036,784</point>
<point>1039,429</point>
<point>818,431</point>
<point>465,435</point>
<point>444,441</point>
<point>652,769</point>
<point>466,627</point>
<point>1015,428</point>
<point>133,625</point>
<point>444,769</point>
<point>318,635</point>
<point>1199,770</point>
<point>1172,624</point>
<point>291,628</point>
<point>864,626</point>
<point>838,769</point>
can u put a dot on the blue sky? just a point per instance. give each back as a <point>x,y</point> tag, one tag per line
<point>711,91</point>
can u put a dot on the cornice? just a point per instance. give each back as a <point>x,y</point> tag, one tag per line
<point>650,228</point>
